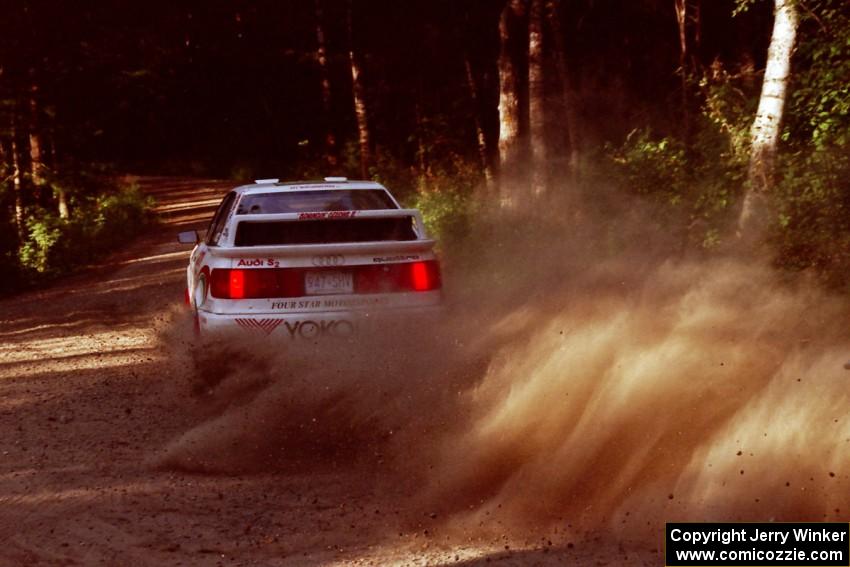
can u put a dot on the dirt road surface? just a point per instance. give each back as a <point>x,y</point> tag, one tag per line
<point>90,390</point>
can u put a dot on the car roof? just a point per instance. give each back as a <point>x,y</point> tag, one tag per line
<point>275,186</point>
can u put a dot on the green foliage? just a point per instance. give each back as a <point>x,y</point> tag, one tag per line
<point>691,188</point>
<point>97,225</point>
<point>446,213</point>
<point>812,229</point>
<point>812,194</point>
<point>730,101</point>
<point>819,105</point>
<point>698,184</point>
<point>444,193</point>
<point>657,168</point>
<point>118,216</point>
<point>40,253</point>
<point>442,187</point>
<point>742,6</point>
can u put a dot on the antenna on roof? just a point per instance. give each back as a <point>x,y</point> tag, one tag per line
<point>336,179</point>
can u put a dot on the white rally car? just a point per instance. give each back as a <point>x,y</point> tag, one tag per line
<point>309,259</point>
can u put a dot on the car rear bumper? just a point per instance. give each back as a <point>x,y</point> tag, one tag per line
<point>311,326</point>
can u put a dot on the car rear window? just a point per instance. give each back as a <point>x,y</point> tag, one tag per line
<point>331,231</point>
<point>315,201</point>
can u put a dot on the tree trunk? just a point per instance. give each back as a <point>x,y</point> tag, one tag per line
<point>36,154</point>
<point>568,100</point>
<point>483,154</point>
<point>17,184</point>
<point>360,111</point>
<point>536,98</point>
<point>324,73</point>
<point>508,103</point>
<point>8,229</point>
<point>421,149</point>
<point>681,7</point>
<point>697,19</point>
<point>62,201</point>
<point>766,126</point>
<point>61,195</point>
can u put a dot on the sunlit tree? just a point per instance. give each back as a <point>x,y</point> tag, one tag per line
<point>766,126</point>
<point>509,110</point>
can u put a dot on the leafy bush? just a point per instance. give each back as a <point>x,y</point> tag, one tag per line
<point>819,103</point>
<point>729,105</point>
<point>97,224</point>
<point>657,168</point>
<point>812,194</point>
<point>813,213</point>
<point>446,213</point>
<point>692,188</point>
<point>444,193</point>
<point>118,216</point>
<point>700,182</point>
<point>40,253</point>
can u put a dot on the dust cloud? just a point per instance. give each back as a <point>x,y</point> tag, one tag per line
<point>582,374</point>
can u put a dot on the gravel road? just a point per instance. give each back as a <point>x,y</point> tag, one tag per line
<point>93,384</point>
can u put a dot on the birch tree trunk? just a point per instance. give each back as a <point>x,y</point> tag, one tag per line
<point>483,153</point>
<point>536,98</point>
<point>766,126</point>
<point>508,103</point>
<point>324,74</point>
<point>360,110</point>
<point>567,98</point>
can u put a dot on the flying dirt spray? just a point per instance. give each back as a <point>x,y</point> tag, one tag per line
<point>703,391</point>
<point>583,378</point>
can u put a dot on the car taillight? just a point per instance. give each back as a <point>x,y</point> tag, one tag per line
<point>401,277</point>
<point>425,276</point>
<point>289,282</point>
<point>236,284</point>
<point>255,284</point>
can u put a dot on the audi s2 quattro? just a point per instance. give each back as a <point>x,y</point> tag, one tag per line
<point>304,260</point>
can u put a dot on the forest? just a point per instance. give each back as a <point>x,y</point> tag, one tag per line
<point>728,118</point>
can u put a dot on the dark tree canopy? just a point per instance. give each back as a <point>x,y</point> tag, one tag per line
<point>225,83</point>
<point>664,89</point>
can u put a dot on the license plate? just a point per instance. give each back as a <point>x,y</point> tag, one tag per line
<point>328,283</point>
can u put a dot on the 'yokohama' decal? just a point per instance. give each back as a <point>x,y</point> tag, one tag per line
<point>264,325</point>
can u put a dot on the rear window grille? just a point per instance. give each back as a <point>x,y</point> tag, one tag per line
<point>270,233</point>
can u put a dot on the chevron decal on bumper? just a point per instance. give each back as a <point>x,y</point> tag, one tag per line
<point>264,325</point>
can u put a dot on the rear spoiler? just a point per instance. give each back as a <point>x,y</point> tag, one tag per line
<point>393,247</point>
<point>331,215</point>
